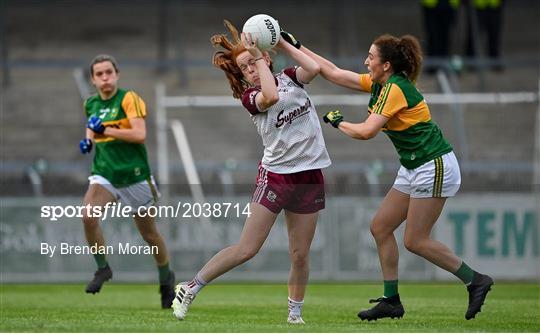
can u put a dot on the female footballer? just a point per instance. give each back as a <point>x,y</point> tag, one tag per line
<point>120,170</point>
<point>429,171</point>
<point>289,177</point>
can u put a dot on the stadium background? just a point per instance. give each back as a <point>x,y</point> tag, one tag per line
<point>46,44</point>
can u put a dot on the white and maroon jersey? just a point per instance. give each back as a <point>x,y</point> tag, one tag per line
<point>290,129</point>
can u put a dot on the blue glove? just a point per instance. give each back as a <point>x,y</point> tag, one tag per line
<point>95,124</point>
<point>85,146</point>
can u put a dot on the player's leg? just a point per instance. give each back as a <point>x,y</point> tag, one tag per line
<point>256,230</point>
<point>423,213</point>
<point>139,197</point>
<point>391,214</point>
<point>301,229</point>
<point>149,232</point>
<point>96,196</point>
<point>254,234</point>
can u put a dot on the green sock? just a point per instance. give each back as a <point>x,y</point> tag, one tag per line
<point>100,260</point>
<point>390,288</point>
<point>164,272</point>
<point>464,273</point>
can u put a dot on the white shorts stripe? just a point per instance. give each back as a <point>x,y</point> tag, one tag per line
<point>257,189</point>
<point>262,189</point>
<point>262,181</point>
<point>439,173</point>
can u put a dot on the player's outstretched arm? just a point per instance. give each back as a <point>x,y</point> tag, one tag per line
<point>308,67</point>
<point>332,73</point>
<point>329,70</point>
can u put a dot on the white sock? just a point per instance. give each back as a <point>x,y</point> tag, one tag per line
<point>197,283</point>
<point>295,308</point>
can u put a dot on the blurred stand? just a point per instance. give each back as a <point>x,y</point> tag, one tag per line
<point>439,19</point>
<point>485,22</point>
<point>164,41</point>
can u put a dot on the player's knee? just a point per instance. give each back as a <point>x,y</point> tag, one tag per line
<point>90,222</point>
<point>413,245</point>
<point>378,230</point>
<point>373,229</point>
<point>244,254</point>
<point>299,258</point>
<point>151,237</point>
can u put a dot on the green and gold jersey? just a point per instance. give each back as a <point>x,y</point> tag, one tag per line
<point>120,162</point>
<point>415,136</point>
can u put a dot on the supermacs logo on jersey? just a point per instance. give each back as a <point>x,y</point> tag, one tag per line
<point>291,116</point>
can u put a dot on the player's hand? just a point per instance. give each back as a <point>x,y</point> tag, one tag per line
<point>333,117</point>
<point>95,124</point>
<point>250,43</point>
<point>289,38</point>
<point>85,145</point>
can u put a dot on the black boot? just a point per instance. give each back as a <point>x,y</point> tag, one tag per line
<point>100,276</point>
<point>167,291</point>
<point>478,289</point>
<point>386,308</point>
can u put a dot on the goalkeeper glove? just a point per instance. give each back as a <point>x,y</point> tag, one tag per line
<point>85,146</point>
<point>333,117</point>
<point>289,38</point>
<point>95,124</point>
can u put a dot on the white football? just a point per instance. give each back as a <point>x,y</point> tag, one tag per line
<point>265,28</point>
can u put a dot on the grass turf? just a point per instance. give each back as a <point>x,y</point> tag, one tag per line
<point>263,308</point>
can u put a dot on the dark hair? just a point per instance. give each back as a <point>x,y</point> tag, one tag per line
<point>403,53</point>
<point>226,59</point>
<point>100,59</point>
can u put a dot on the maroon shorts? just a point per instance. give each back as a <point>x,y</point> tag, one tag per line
<point>301,192</point>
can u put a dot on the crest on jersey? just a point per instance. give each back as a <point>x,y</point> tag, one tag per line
<point>252,97</point>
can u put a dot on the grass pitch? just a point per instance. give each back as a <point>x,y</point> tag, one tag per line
<point>263,308</point>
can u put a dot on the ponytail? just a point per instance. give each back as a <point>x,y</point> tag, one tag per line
<point>412,54</point>
<point>404,54</point>
<point>226,59</point>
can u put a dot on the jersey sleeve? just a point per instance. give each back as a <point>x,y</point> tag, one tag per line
<point>391,101</point>
<point>133,105</point>
<point>248,100</point>
<point>291,73</point>
<point>365,83</point>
